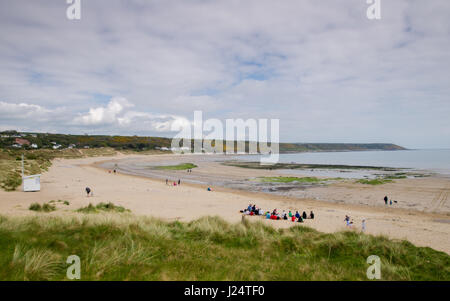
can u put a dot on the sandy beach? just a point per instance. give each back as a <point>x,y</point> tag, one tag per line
<point>421,216</point>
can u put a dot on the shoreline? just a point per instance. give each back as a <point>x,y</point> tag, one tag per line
<point>67,178</point>
<point>288,199</point>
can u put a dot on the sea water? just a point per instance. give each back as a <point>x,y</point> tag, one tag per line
<point>430,160</point>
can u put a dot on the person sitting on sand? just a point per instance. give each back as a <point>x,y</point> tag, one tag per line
<point>209,189</point>
<point>293,218</point>
<point>285,216</point>
<point>249,207</point>
<point>304,215</point>
<point>290,213</point>
<point>300,219</point>
<point>88,191</point>
<point>268,215</point>
<point>386,200</point>
<point>297,215</point>
<point>311,215</point>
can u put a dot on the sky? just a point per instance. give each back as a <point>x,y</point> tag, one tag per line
<point>136,67</point>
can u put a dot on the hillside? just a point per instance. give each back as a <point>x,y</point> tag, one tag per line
<point>137,143</point>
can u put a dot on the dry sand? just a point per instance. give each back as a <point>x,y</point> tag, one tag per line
<point>67,179</point>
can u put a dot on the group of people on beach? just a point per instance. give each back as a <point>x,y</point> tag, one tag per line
<point>386,199</point>
<point>349,223</point>
<point>275,215</point>
<point>175,183</point>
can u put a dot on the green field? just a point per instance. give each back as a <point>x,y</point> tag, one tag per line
<point>121,246</point>
<point>182,166</point>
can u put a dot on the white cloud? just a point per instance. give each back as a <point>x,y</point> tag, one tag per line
<point>22,110</point>
<point>118,113</point>
<point>105,115</point>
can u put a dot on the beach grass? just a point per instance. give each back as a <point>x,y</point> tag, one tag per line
<point>46,207</point>
<point>182,166</point>
<point>102,207</point>
<point>114,246</point>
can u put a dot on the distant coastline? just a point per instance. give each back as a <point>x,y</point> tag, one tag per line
<point>34,140</point>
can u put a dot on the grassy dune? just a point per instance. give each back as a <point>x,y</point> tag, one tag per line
<point>121,246</point>
<point>37,161</point>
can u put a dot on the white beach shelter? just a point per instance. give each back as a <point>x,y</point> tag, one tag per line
<point>31,183</point>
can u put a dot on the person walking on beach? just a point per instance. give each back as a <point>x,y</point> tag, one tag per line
<point>167,181</point>
<point>347,220</point>
<point>386,200</point>
<point>179,182</point>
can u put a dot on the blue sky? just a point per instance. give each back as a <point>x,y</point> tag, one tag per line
<point>321,67</point>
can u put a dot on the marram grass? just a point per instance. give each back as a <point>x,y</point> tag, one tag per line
<point>121,246</point>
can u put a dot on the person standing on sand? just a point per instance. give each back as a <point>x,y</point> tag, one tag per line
<point>88,191</point>
<point>179,182</point>
<point>347,220</point>
<point>386,200</point>
<point>363,225</point>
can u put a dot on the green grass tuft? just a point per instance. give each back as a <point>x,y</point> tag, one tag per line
<point>182,166</point>
<point>108,207</point>
<point>46,207</point>
<point>296,179</point>
<point>377,181</point>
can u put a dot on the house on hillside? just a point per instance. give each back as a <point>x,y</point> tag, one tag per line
<point>21,142</point>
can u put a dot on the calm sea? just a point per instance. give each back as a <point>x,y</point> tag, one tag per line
<point>436,160</point>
